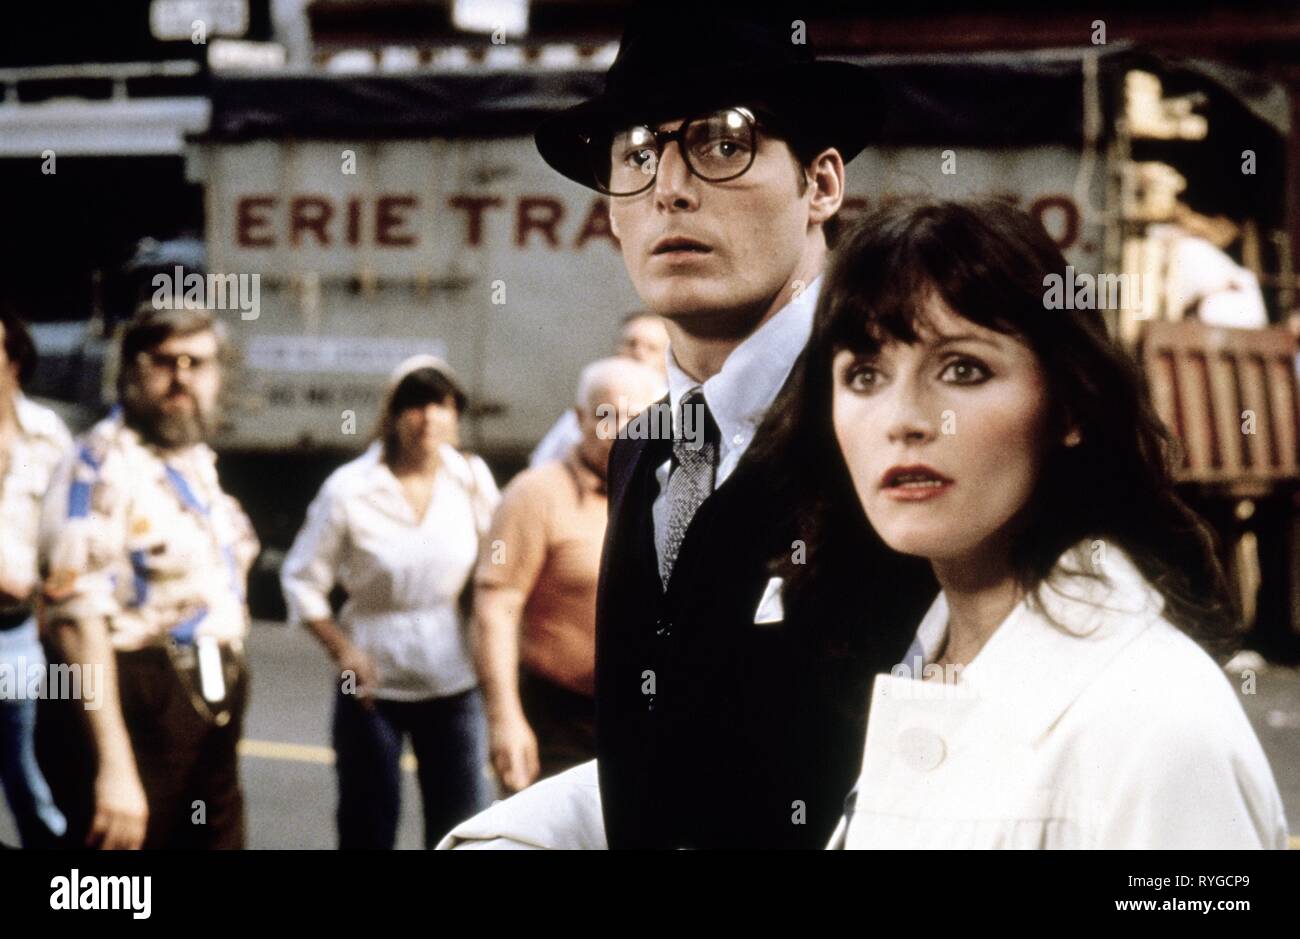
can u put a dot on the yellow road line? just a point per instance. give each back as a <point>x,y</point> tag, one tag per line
<point>301,753</point>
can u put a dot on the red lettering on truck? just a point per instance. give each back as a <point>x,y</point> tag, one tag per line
<point>388,221</point>
<point>542,213</point>
<point>248,218</point>
<point>309,213</point>
<point>474,206</point>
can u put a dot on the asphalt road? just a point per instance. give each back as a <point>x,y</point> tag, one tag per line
<point>289,776</point>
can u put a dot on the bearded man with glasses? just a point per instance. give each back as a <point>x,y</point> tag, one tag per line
<point>730,711</point>
<point>146,561</point>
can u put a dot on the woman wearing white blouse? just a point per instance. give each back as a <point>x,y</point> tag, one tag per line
<point>1059,693</point>
<point>398,529</point>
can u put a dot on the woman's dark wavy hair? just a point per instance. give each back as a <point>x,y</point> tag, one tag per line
<point>988,261</point>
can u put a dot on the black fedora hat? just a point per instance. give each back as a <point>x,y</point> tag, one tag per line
<point>675,61</point>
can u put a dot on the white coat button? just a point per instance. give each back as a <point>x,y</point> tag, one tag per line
<point>921,749</point>
<point>738,440</point>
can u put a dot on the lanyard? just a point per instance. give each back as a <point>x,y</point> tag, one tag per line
<point>184,631</point>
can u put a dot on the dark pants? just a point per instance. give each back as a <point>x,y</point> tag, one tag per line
<point>449,738</point>
<point>188,765</point>
<point>563,721</point>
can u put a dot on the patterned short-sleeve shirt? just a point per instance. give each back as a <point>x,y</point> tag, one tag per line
<point>146,539</point>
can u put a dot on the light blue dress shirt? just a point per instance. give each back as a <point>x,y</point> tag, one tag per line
<point>739,395</point>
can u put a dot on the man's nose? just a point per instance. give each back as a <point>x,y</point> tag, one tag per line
<point>675,184</point>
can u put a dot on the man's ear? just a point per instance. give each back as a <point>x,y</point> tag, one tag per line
<point>827,175</point>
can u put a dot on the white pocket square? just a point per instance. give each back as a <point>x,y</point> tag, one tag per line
<point>770,609</point>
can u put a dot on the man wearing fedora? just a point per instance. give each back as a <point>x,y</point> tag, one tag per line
<point>730,713</point>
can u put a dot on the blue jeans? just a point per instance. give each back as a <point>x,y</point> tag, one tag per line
<point>449,737</point>
<point>40,823</point>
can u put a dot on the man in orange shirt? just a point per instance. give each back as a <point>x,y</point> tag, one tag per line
<point>535,588</point>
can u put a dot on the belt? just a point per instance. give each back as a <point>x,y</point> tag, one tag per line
<point>12,619</point>
<point>183,660</point>
<point>159,645</point>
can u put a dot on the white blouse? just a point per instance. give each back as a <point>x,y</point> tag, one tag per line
<point>1120,733</point>
<point>403,576</point>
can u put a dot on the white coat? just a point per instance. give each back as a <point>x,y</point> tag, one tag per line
<point>1116,731</point>
<point>558,813</point>
<point>1119,732</point>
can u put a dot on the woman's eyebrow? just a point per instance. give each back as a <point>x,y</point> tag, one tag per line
<point>965,337</point>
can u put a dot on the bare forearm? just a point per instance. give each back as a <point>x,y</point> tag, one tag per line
<point>330,635</point>
<point>495,630</point>
<point>85,643</point>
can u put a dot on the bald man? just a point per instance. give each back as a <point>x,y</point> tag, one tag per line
<point>643,337</point>
<point>535,587</point>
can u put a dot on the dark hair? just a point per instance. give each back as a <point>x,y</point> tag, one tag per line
<point>150,328</point>
<point>781,120</point>
<point>19,348</point>
<point>988,262</point>
<point>423,387</point>
<point>417,389</point>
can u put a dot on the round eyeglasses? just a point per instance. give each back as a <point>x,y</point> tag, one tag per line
<point>162,362</point>
<point>716,147</point>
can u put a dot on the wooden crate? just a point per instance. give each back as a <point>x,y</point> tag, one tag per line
<point>1207,383</point>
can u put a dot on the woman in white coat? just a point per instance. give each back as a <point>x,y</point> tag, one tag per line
<point>1059,693</point>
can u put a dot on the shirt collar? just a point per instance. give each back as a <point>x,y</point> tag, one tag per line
<point>33,420</point>
<point>741,392</point>
<point>379,475</point>
<point>27,422</point>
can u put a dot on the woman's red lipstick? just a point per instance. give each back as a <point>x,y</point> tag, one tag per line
<point>914,483</point>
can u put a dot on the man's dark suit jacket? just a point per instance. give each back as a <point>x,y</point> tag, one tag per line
<point>714,731</point>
